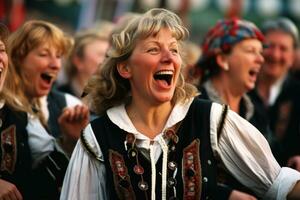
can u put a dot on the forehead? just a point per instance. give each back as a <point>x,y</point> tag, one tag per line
<point>49,46</point>
<point>164,35</point>
<point>251,42</point>
<point>279,37</point>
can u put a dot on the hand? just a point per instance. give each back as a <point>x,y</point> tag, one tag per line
<point>238,195</point>
<point>9,191</point>
<point>294,162</point>
<point>73,120</point>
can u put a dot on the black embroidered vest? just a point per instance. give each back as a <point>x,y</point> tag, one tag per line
<point>15,165</point>
<point>56,103</point>
<point>190,155</point>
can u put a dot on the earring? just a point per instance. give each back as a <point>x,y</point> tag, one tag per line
<point>226,67</point>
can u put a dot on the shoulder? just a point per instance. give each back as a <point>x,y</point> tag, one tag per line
<point>72,100</point>
<point>69,99</point>
<point>90,143</point>
<point>18,117</point>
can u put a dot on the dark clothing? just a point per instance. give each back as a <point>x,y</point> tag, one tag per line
<point>189,150</point>
<point>56,103</point>
<point>67,88</point>
<point>48,176</point>
<point>14,152</point>
<point>284,116</point>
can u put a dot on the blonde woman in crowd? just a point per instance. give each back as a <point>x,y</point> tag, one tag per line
<point>154,138</point>
<point>36,50</point>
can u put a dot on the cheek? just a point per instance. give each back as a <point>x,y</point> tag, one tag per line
<point>178,62</point>
<point>289,59</point>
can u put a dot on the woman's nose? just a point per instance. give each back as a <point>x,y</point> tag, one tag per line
<point>55,62</point>
<point>260,58</point>
<point>166,56</point>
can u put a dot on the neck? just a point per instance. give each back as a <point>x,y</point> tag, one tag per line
<point>79,83</point>
<point>230,95</point>
<point>147,119</point>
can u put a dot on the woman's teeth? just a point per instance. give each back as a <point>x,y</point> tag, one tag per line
<point>164,75</point>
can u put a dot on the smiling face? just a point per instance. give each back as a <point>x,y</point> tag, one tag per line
<point>279,56</point>
<point>245,62</point>
<point>3,64</point>
<point>154,67</point>
<point>40,68</point>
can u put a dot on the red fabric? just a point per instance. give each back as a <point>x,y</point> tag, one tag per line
<point>17,14</point>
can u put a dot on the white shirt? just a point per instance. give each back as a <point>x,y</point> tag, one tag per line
<point>41,143</point>
<point>275,90</point>
<point>242,148</point>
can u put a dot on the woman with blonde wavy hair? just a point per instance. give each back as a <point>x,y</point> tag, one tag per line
<point>154,139</point>
<point>55,119</point>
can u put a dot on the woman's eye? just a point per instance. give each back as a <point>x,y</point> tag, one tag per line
<point>174,50</point>
<point>42,54</point>
<point>152,50</point>
<point>2,50</point>
<point>250,51</point>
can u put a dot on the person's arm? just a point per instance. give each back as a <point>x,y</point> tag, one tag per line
<point>248,157</point>
<point>295,193</point>
<point>86,176</point>
<point>9,191</point>
<point>294,162</point>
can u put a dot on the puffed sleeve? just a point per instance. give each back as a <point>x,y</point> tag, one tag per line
<point>247,155</point>
<point>85,177</point>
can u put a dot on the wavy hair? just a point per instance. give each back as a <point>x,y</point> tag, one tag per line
<point>108,88</point>
<point>28,37</point>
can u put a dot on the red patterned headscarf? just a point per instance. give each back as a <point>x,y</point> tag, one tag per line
<point>225,34</point>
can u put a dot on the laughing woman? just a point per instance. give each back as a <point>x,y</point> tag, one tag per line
<point>154,139</point>
<point>231,59</point>
<point>14,151</point>
<point>36,50</point>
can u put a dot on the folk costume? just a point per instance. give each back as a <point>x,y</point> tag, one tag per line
<point>248,109</point>
<point>15,166</point>
<point>113,160</point>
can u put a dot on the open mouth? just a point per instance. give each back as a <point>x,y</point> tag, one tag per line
<point>47,77</point>
<point>164,76</point>
<point>253,72</point>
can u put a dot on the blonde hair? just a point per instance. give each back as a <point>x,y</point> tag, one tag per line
<point>109,89</point>
<point>81,40</point>
<point>28,37</point>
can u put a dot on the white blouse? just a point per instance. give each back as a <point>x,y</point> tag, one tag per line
<point>242,148</point>
<point>41,143</point>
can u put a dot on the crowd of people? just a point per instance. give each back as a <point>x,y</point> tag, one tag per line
<point>146,113</point>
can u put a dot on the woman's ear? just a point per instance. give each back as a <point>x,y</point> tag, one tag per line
<point>222,62</point>
<point>124,70</point>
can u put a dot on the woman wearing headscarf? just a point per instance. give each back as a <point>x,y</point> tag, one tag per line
<point>231,60</point>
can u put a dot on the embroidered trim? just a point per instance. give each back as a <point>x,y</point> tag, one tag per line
<point>88,148</point>
<point>222,120</point>
<point>191,171</point>
<point>121,178</point>
<point>9,149</point>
